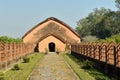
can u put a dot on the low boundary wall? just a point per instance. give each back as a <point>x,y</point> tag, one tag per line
<point>105,56</point>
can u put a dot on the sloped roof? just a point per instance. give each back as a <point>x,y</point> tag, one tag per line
<point>54,19</point>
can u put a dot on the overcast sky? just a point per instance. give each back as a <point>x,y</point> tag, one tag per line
<point>18,16</point>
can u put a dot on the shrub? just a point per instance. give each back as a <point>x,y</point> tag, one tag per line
<point>90,39</point>
<point>117,40</point>
<point>46,51</point>
<point>26,60</point>
<point>16,67</point>
<point>87,64</point>
<point>98,75</point>
<point>7,39</point>
<point>1,76</point>
<point>114,38</point>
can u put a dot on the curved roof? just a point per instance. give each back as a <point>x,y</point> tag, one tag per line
<point>54,19</point>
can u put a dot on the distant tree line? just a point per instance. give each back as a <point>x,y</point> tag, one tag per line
<point>101,23</point>
<point>7,39</point>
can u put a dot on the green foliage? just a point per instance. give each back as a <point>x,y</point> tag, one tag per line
<point>101,23</point>
<point>89,39</point>
<point>98,75</point>
<point>91,21</point>
<point>75,64</point>
<point>26,60</point>
<point>10,40</point>
<point>114,38</point>
<point>1,76</point>
<point>117,40</point>
<point>87,65</point>
<point>117,4</point>
<point>25,70</point>
<point>16,67</point>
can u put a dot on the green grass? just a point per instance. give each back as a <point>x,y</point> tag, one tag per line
<point>25,68</point>
<point>82,74</point>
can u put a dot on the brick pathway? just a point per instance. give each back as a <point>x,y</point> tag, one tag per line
<point>52,67</point>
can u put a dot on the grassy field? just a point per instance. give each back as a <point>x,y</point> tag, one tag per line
<point>82,74</point>
<point>25,68</point>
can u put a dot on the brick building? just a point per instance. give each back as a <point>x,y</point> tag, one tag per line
<point>52,35</point>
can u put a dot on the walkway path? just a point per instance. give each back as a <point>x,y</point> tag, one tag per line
<point>52,67</point>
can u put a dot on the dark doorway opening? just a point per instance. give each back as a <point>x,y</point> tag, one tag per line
<point>52,47</point>
<point>36,48</point>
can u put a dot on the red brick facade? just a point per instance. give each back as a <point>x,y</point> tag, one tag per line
<point>53,31</point>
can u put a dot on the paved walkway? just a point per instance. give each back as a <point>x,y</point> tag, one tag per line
<point>52,67</point>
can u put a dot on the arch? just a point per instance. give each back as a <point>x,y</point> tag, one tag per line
<point>57,37</point>
<point>36,48</point>
<point>44,43</point>
<point>51,46</point>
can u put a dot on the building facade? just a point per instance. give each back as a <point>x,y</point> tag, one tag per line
<point>51,35</point>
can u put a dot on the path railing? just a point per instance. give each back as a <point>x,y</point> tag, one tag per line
<point>13,52</point>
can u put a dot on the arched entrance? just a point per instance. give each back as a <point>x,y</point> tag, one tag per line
<point>51,47</point>
<point>36,48</point>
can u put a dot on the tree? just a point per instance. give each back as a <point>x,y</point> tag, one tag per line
<point>7,39</point>
<point>83,27</point>
<point>92,24</point>
<point>117,4</point>
<point>101,23</point>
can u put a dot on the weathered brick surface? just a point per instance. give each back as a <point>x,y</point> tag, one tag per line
<point>109,53</point>
<point>12,52</point>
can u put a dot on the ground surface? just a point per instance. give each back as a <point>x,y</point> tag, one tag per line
<point>52,67</point>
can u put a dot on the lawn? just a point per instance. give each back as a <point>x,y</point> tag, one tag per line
<point>25,68</point>
<point>82,74</point>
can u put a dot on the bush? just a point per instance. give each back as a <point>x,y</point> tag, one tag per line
<point>117,40</point>
<point>7,39</point>
<point>89,67</point>
<point>46,51</point>
<point>90,39</point>
<point>26,60</point>
<point>98,75</point>
<point>114,38</point>
<point>16,67</point>
<point>87,64</point>
<point>1,76</point>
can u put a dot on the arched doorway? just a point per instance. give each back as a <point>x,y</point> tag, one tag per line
<point>36,48</point>
<point>51,47</point>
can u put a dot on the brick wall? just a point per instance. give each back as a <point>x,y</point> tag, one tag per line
<point>12,52</point>
<point>105,56</point>
<point>109,53</point>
